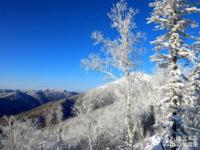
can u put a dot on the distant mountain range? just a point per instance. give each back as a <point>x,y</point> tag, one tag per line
<point>16,101</point>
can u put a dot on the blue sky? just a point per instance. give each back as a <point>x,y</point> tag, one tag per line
<point>43,41</point>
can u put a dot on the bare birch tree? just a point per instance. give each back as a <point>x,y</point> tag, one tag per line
<point>118,57</point>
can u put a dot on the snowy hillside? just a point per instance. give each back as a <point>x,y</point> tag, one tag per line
<point>102,114</point>
<point>100,109</point>
<point>114,91</point>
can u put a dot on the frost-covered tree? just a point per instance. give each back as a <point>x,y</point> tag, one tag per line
<point>195,78</point>
<point>59,131</point>
<point>118,56</point>
<point>193,90</point>
<point>16,134</point>
<point>172,47</point>
<point>195,85</point>
<point>10,133</point>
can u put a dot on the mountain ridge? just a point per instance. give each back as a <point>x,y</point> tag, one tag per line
<point>17,101</point>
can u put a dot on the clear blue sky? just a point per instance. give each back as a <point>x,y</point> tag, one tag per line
<point>43,41</point>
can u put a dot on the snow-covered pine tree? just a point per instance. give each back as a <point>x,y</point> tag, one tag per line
<point>117,58</point>
<point>171,48</point>
<point>193,89</point>
<point>195,77</point>
<point>195,85</point>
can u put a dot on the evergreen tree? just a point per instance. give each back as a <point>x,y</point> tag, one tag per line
<point>171,49</point>
<point>193,89</point>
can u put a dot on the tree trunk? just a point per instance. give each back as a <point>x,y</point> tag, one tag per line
<point>128,113</point>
